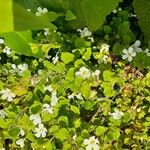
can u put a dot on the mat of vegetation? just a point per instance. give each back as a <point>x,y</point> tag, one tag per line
<point>74,75</point>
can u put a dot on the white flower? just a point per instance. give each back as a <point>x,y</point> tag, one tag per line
<point>3,114</point>
<point>54,98</point>
<point>6,50</point>
<point>55,59</point>
<point>74,137</point>
<point>114,11</point>
<point>129,54</point>
<point>96,74</point>
<point>136,46</point>
<point>71,96</point>
<point>46,31</point>
<point>104,47</point>
<point>23,67</point>
<point>117,114</point>
<point>48,88</point>
<point>147,52</point>
<point>36,119</point>
<point>40,131</point>
<point>83,72</point>
<point>41,11</point>
<point>92,143</point>
<point>105,59</point>
<point>14,66</point>
<point>48,108</point>
<point>79,96</point>
<point>85,32</point>
<point>22,133</point>
<point>1,41</point>
<point>20,142</point>
<point>29,10</point>
<point>7,94</point>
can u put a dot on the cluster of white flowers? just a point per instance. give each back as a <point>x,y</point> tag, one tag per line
<point>40,131</point>
<point>92,143</point>
<point>117,114</point>
<point>46,31</point>
<point>7,94</point>
<point>104,47</point>
<point>85,32</point>
<point>20,141</point>
<point>7,50</point>
<point>116,10</point>
<point>20,68</point>
<point>130,53</point>
<point>83,73</point>
<point>41,11</point>
<point>54,99</point>
<point>55,59</point>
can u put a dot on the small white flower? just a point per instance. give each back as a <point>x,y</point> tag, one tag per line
<point>85,32</point>
<point>22,133</point>
<point>79,96</point>
<point>74,137</point>
<point>7,50</point>
<point>129,54</point>
<point>104,47</point>
<point>29,10</point>
<point>133,15</point>
<point>46,31</point>
<point>147,51</point>
<point>41,11</point>
<point>48,108</point>
<point>7,94</point>
<point>92,143</point>
<point>48,88</point>
<point>120,9</point>
<point>136,46</point>
<point>71,96</point>
<point>55,59</point>
<point>20,142</point>
<point>39,72</point>
<point>96,74</point>
<point>83,72</point>
<point>91,39</point>
<point>1,41</point>
<point>40,131</point>
<point>114,11</point>
<point>105,59</point>
<point>117,114</point>
<point>36,119</point>
<point>54,98</point>
<point>3,114</point>
<point>23,67</point>
<point>14,66</point>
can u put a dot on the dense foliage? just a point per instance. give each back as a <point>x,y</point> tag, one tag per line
<point>74,74</point>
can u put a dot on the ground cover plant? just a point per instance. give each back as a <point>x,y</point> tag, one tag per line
<point>74,75</point>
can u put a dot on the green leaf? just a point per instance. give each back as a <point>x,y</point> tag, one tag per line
<point>75,109</point>
<point>91,13</point>
<point>70,16</point>
<point>142,10</point>
<point>3,124</point>
<point>62,134</point>
<point>36,107</point>
<point>14,132</point>
<point>100,130</point>
<point>87,54</point>
<point>67,57</point>
<point>13,17</point>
